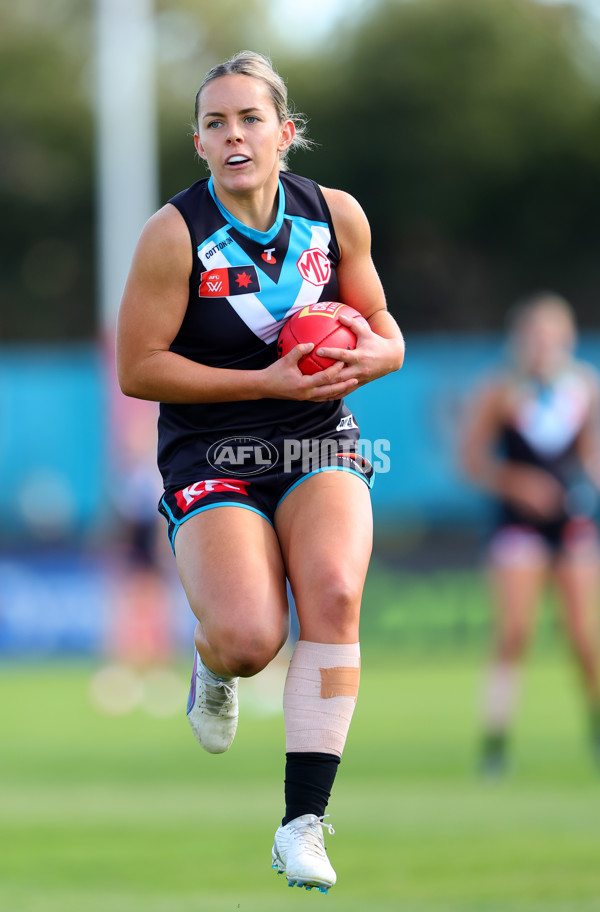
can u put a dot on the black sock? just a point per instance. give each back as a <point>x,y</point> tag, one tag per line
<point>308,783</point>
<point>494,744</point>
<point>494,753</point>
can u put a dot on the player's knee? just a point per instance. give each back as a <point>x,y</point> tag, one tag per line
<point>338,604</point>
<point>513,646</point>
<point>245,653</point>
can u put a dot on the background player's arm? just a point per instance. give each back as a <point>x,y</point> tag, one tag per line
<point>152,309</point>
<point>381,351</point>
<point>479,435</point>
<point>588,442</point>
<point>530,489</point>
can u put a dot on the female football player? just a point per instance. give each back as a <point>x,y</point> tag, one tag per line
<point>251,494</point>
<point>532,442</point>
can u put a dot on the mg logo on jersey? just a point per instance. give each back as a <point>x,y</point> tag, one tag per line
<point>314,266</point>
<point>187,497</point>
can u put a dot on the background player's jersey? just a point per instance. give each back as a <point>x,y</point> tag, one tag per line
<point>244,285</point>
<point>544,431</point>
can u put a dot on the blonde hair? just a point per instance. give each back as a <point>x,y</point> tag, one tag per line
<point>547,302</point>
<point>249,63</point>
<point>542,305</point>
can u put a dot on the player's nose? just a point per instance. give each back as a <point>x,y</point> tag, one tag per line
<point>234,132</point>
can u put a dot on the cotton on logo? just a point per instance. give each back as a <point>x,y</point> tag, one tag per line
<point>188,496</point>
<point>314,266</point>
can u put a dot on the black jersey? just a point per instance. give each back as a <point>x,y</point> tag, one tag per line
<point>544,432</point>
<point>244,285</point>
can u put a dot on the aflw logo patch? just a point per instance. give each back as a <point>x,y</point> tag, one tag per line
<point>228,281</point>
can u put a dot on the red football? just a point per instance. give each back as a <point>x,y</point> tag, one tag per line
<point>318,323</point>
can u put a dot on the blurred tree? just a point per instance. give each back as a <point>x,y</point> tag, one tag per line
<point>470,135</point>
<point>469,131</point>
<point>47,131</point>
<point>193,37</point>
<point>46,172</point>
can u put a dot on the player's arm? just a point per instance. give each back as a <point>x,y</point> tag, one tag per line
<point>588,442</point>
<point>152,309</point>
<point>381,351</point>
<point>479,434</point>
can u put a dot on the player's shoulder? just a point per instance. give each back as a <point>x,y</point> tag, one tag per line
<point>586,372</point>
<point>164,244</point>
<point>351,223</point>
<point>342,203</point>
<point>166,226</point>
<point>494,393</point>
<point>589,378</point>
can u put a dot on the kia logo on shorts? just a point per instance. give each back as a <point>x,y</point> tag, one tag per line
<point>242,455</point>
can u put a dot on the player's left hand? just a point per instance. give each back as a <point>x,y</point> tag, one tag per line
<point>373,357</point>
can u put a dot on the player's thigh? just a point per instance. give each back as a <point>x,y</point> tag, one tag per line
<point>578,579</point>
<point>230,565</point>
<point>519,561</point>
<point>325,529</point>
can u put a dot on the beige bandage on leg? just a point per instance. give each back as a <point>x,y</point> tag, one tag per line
<point>320,695</point>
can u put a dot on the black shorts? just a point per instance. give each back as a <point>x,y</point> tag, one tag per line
<point>512,542</point>
<point>256,473</point>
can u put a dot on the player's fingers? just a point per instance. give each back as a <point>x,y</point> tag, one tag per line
<point>345,355</point>
<point>299,351</point>
<point>322,378</point>
<point>334,391</point>
<point>359,327</point>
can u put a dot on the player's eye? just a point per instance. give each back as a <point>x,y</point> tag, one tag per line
<point>213,124</point>
<point>251,119</point>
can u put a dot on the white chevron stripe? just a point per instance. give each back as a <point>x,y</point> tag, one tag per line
<point>249,307</point>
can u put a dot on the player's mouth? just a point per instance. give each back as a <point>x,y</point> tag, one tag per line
<point>237,161</point>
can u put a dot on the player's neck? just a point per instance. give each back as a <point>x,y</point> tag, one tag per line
<point>256,208</point>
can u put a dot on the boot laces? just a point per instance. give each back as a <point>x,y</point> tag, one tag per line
<point>312,836</point>
<point>217,695</point>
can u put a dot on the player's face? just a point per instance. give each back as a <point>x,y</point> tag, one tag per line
<point>239,133</point>
<point>545,344</point>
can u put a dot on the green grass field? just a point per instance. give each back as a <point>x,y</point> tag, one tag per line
<point>128,814</point>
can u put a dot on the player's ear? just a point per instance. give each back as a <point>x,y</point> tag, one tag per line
<point>288,131</point>
<point>199,146</point>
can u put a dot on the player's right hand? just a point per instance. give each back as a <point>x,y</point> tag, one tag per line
<point>534,491</point>
<point>284,380</point>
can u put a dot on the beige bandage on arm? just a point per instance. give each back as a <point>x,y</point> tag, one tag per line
<point>320,695</point>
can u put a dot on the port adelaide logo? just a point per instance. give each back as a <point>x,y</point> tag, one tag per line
<point>242,455</point>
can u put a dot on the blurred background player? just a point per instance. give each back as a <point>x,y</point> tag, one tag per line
<point>531,440</point>
<point>140,636</point>
<point>142,631</point>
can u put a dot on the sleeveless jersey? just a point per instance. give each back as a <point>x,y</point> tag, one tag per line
<point>243,286</point>
<point>544,432</point>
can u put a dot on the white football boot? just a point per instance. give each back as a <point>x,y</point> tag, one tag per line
<point>212,708</point>
<point>299,853</point>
